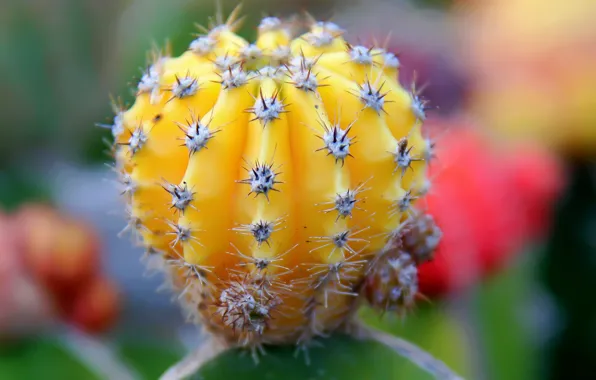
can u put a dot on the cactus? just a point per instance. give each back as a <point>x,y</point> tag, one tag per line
<point>278,180</point>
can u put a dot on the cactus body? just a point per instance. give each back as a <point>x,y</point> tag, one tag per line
<point>273,177</point>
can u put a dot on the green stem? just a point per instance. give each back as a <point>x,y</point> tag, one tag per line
<point>208,349</point>
<point>97,355</point>
<point>409,351</point>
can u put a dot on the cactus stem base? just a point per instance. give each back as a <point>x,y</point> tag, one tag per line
<point>408,350</point>
<point>211,347</point>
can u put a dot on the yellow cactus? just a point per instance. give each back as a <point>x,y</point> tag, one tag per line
<point>272,176</point>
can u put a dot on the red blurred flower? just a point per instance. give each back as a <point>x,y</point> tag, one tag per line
<point>50,271</point>
<point>488,203</point>
<point>61,252</point>
<point>538,179</point>
<point>23,303</point>
<point>96,307</point>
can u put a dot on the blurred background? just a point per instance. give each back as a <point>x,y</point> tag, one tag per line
<point>512,86</point>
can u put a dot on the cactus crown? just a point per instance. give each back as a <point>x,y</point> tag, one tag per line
<point>277,179</point>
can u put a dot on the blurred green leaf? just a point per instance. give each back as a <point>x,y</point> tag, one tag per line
<point>18,186</point>
<point>501,304</point>
<point>493,327</point>
<point>149,360</point>
<point>40,359</point>
<point>569,273</point>
<point>432,329</point>
<point>439,4</point>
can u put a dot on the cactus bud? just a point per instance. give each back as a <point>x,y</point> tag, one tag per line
<point>275,177</point>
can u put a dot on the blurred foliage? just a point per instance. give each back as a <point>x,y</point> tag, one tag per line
<point>47,358</point>
<point>149,360</point>
<point>55,54</point>
<point>501,313</point>
<point>569,273</point>
<point>432,329</point>
<point>480,332</point>
<point>441,4</point>
<point>41,359</point>
<point>66,56</point>
<point>18,186</point>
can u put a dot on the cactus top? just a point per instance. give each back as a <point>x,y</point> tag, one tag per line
<point>273,176</point>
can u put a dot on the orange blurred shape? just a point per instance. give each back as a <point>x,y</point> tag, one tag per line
<point>96,306</point>
<point>60,251</point>
<point>24,307</point>
<point>49,270</point>
<point>534,69</point>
